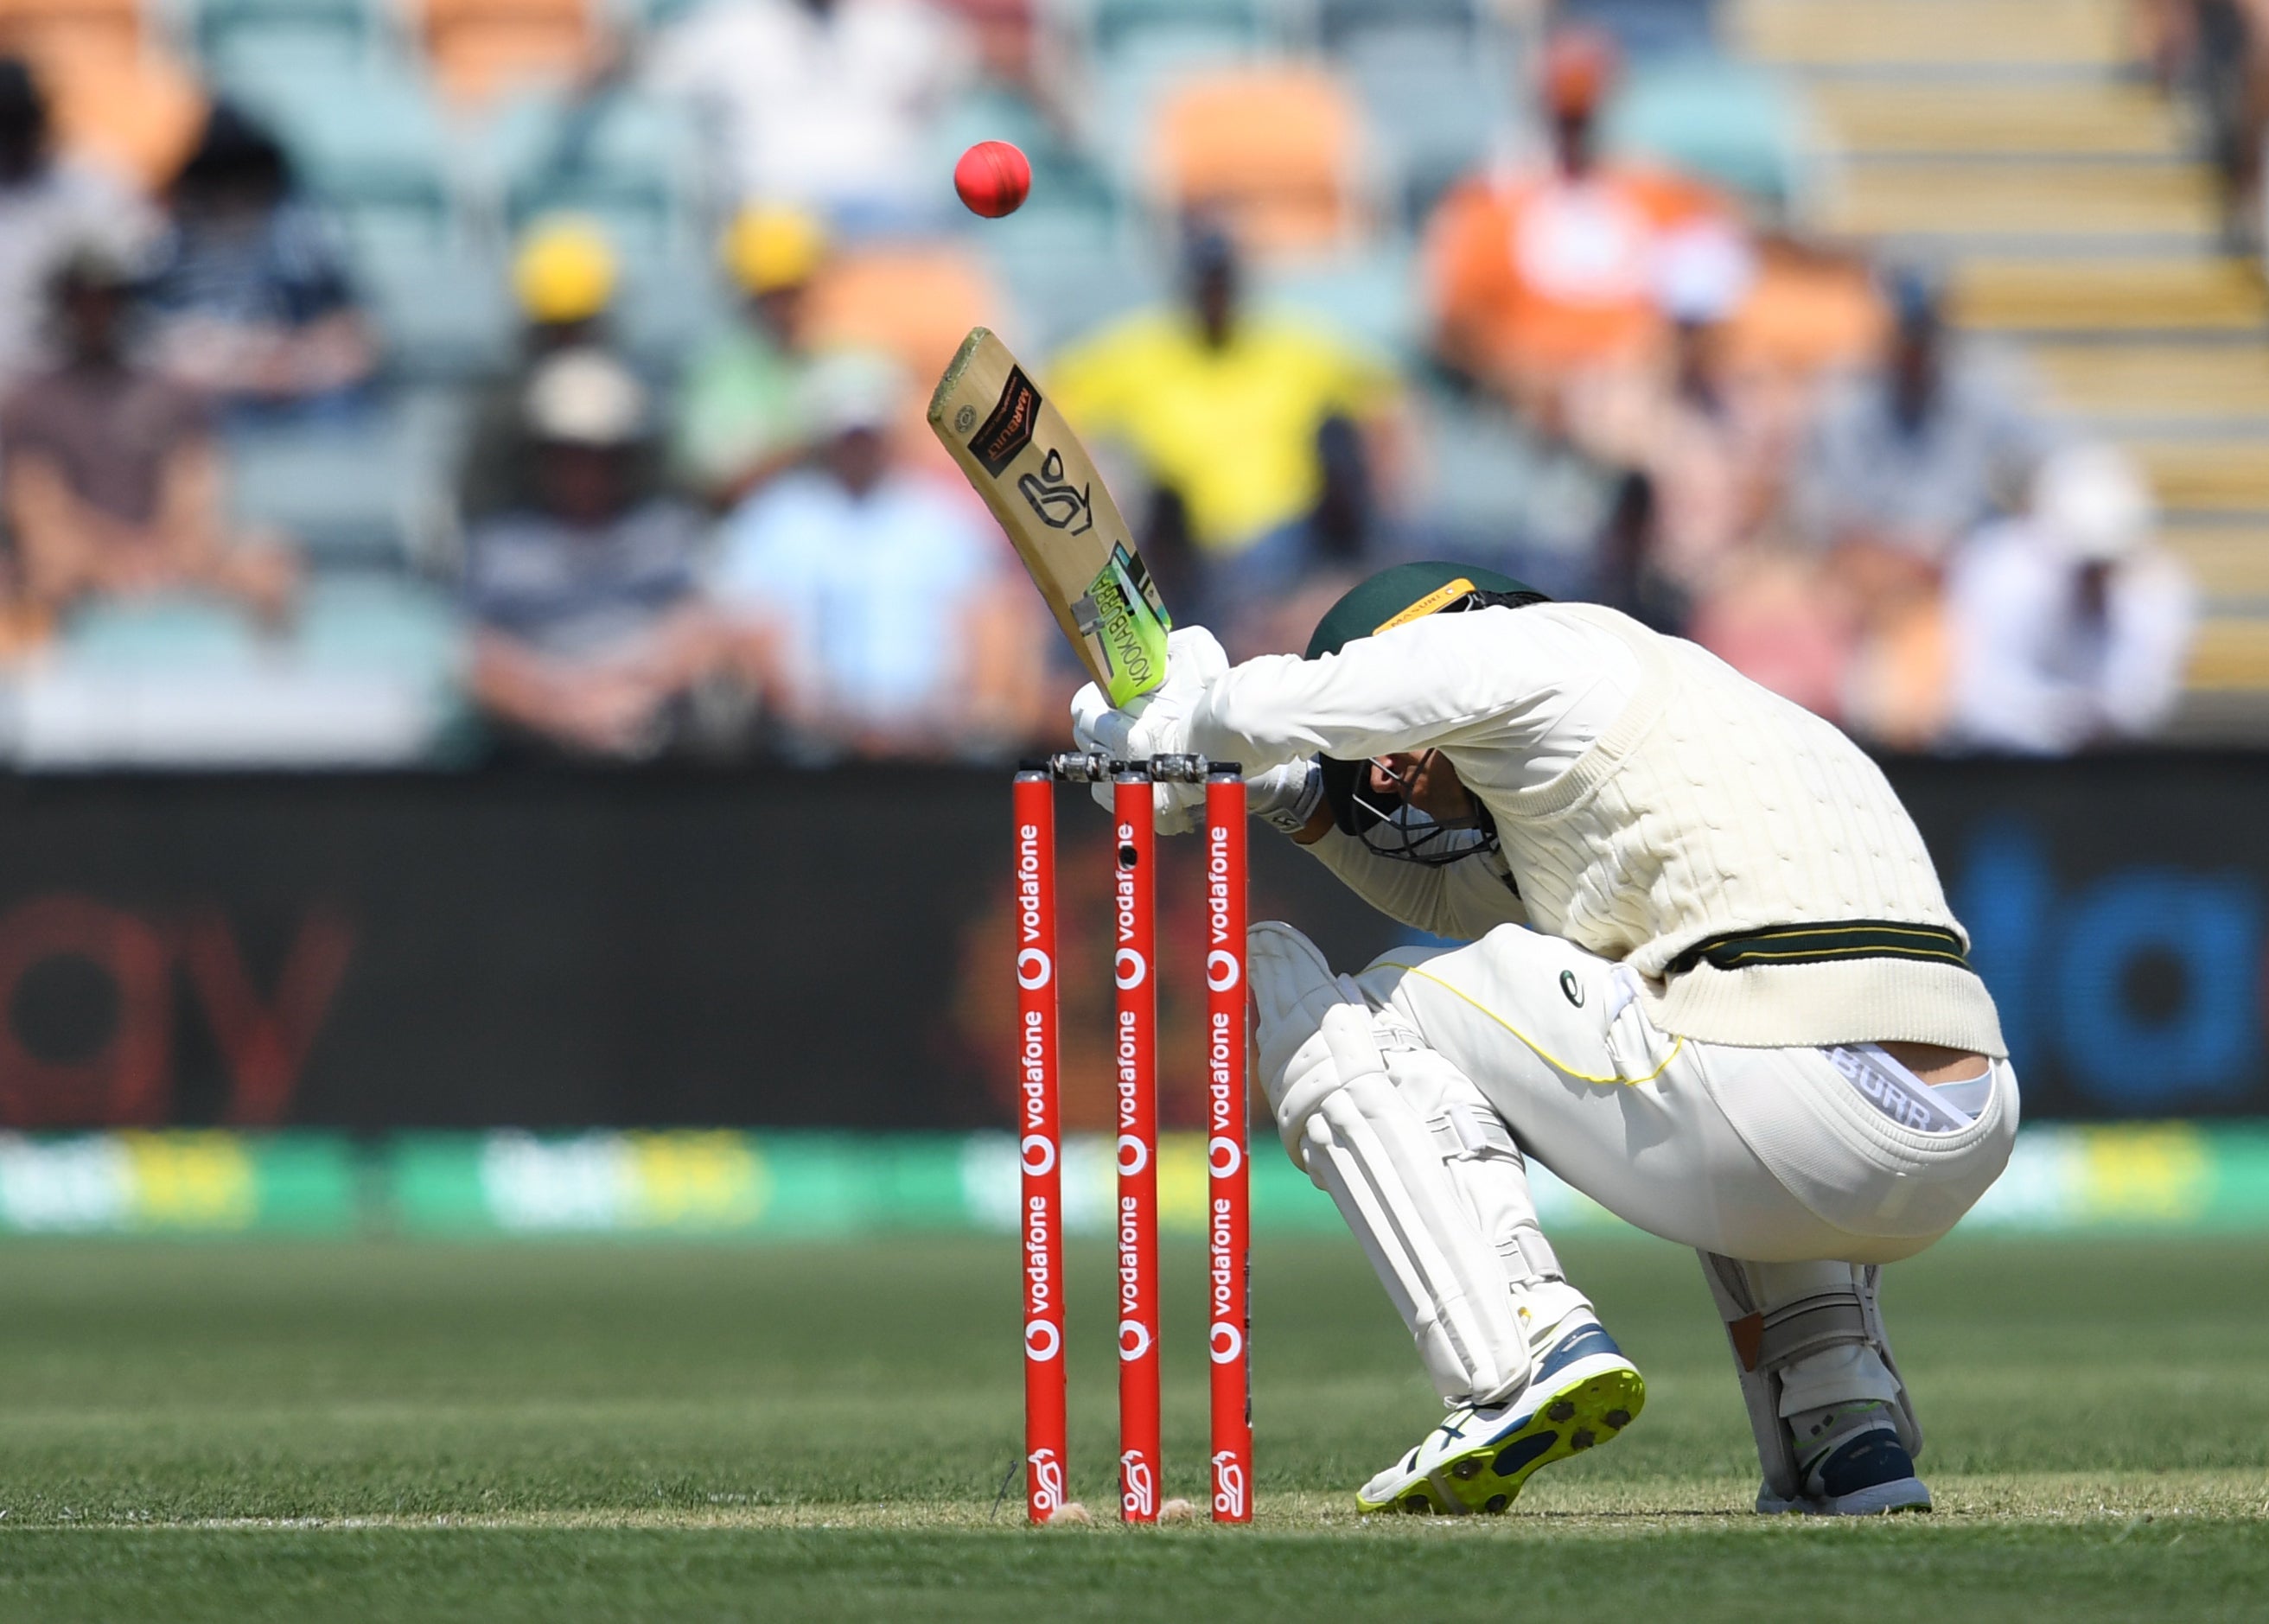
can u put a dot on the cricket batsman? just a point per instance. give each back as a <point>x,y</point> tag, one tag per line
<point>1710,980</point>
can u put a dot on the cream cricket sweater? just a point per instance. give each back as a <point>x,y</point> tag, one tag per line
<point>1708,806</point>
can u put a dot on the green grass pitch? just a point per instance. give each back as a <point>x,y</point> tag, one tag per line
<point>295,1431</point>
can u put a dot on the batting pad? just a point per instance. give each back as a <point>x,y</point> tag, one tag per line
<point>1379,1161</point>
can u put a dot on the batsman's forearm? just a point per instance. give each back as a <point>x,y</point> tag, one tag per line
<point>1377,695</point>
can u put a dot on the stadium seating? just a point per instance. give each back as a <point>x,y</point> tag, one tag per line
<point>1877,35</point>
<point>627,160</point>
<point>138,113</point>
<point>365,138</point>
<point>1132,81</point>
<point>359,621</point>
<point>161,635</point>
<point>1276,152</point>
<point>915,303</point>
<point>56,34</point>
<point>1365,297</point>
<point>439,303</point>
<point>480,49</point>
<point>1437,108</point>
<point>1647,29</point>
<point>255,56</point>
<point>638,17</point>
<point>1115,23</point>
<point>1496,494</point>
<point>1060,287</point>
<point>348,491</point>
<point>1341,22</point>
<point>366,674</point>
<point>1477,494</point>
<point>669,299</point>
<point>334,33</point>
<point>354,620</point>
<point>1738,126</point>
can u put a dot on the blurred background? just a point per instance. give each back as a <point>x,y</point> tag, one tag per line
<point>487,642</point>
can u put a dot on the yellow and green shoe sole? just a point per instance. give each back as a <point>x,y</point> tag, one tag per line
<point>1490,1478</point>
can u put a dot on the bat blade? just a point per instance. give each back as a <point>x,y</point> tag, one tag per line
<point>1022,457</point>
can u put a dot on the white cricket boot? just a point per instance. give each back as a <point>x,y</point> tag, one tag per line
<point>1584,1392</point>
<point>1850,1463</point>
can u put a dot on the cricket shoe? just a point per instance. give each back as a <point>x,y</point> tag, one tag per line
<point>1850,1463</point>
<point>1582,1393</point>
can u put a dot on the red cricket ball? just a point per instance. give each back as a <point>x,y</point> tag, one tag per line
<point>993,178</point>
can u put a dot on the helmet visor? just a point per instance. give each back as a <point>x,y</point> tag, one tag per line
<point>1392,828</point>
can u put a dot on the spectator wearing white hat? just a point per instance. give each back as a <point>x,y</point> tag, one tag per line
<point>2071,626</point>
<point>591,633</point>
<point>567,279</point>
<point>878,612</point>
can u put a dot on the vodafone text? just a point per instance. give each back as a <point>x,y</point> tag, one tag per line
<point>1039,1263</point>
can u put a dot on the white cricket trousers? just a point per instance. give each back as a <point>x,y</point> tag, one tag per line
<point>1771,1156</point>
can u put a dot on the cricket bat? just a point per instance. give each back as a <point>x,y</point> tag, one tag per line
<point>1031,471</point>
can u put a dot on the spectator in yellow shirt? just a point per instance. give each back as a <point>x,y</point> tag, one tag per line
<point>1258,438</point>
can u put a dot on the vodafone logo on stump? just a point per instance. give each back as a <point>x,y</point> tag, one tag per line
<point>1222,971</point>
<point>1034,969</point>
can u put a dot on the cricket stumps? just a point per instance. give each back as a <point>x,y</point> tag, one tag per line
<point>1134,1069</point>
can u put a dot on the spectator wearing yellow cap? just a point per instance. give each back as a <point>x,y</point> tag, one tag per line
<point>737,424</point>
<point>564,275</point>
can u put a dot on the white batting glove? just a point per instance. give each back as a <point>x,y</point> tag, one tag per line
<point>1157,723</point>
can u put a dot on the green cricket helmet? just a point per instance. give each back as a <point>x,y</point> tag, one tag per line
<point>1395,597</point>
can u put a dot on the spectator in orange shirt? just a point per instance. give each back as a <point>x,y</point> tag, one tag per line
<point>1536,276</point>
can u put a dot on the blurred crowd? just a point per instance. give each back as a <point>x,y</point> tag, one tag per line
<point>321,440</point>
<point>2215,52</point>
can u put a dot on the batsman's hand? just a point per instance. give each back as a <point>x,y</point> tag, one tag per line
<point>1157,723</point>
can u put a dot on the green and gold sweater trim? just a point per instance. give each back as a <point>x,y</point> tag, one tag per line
<point>1824,943</point>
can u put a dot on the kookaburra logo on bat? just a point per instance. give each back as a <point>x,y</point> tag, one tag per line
<point>1061,504</point>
